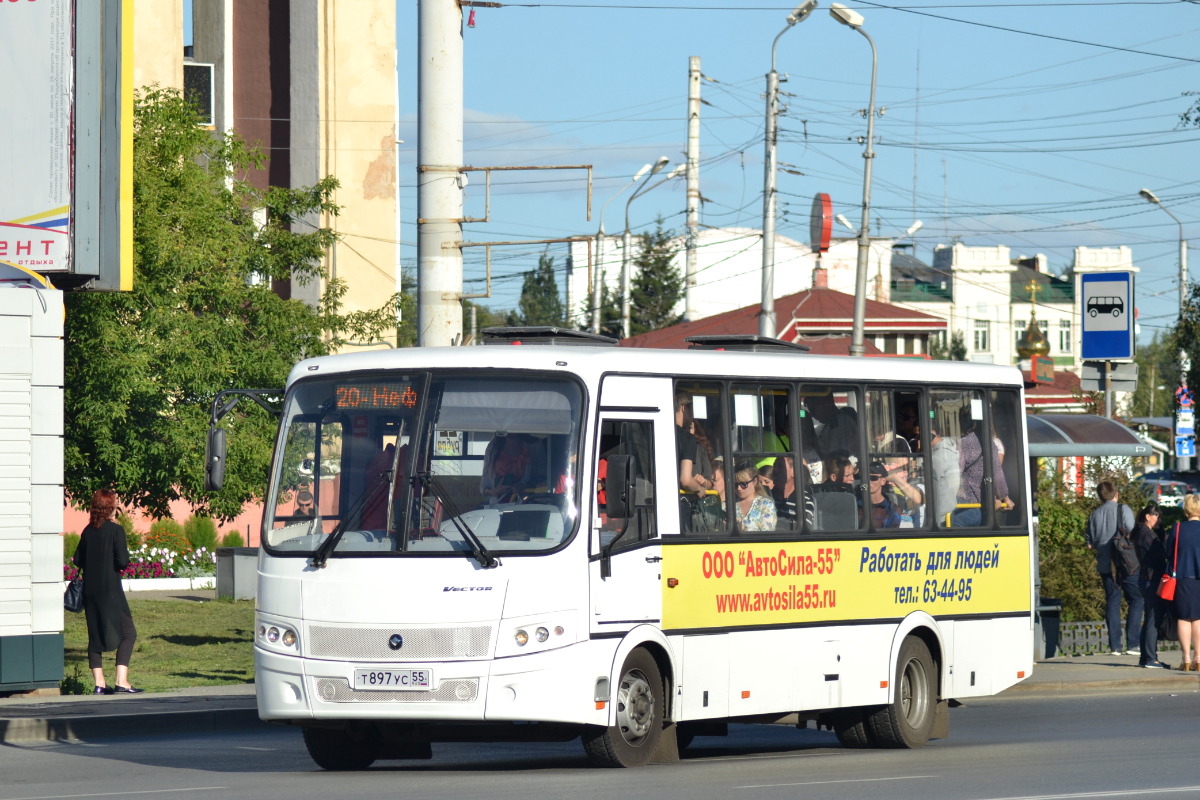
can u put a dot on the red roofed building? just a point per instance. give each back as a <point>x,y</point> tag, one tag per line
<point>820,318</point>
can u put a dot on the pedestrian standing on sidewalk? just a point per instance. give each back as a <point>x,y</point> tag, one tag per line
<point>1187,576</point>
<point>1101,527</point>
<point>102,554</point>
<point>1153,559</point>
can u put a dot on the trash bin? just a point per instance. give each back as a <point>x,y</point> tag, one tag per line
<point>237,572</point>
<point>1049,618</point>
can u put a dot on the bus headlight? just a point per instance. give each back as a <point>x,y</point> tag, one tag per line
<point>541,634</point>
<point>521,638</point>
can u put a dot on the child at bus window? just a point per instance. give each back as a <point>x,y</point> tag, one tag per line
<point>839,473</point>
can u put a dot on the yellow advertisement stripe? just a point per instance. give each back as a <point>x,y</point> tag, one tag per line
<point>733,584</point>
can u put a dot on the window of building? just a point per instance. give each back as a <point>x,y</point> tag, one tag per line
<point>1064,335</point>
<point>983,336</point>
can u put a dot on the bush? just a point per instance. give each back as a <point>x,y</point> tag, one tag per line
<point>70,545</point>
<point>201,532</point>
<point>166,534</point>
<point>232,539</point>
<point>133,539</point>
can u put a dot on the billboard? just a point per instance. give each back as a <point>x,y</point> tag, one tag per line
<point>66,145</point>
<point>37,95</point>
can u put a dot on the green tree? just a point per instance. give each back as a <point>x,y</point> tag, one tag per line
<point>657,286</point>
<point>956,350</point>
<point>540,302</point>
<point>610,312</point>
<point>143,366</point>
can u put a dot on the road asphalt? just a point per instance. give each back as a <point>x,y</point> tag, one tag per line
<point>29,718</point>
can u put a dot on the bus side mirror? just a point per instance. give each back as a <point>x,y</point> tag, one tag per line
<point>214,460</point>
<point>619,488</point>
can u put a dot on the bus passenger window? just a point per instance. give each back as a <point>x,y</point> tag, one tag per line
<point>1006,434</point>
<point>831,455</point>
<point>635,439</point>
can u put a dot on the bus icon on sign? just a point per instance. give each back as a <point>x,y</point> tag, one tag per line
<point>1105,305</point>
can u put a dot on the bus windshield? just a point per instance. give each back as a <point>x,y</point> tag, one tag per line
<point>425,463</point>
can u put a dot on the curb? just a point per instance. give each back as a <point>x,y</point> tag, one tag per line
<point>92,728</point>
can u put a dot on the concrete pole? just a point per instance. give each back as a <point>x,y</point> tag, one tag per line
<point>439,182</point>
<point>858,329</point>
<point>766,314</point>
<point>625,278</point>
<point>693,189</point>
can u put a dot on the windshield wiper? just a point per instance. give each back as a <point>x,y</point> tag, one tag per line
<point>322,554</point>
<point>481,554</point>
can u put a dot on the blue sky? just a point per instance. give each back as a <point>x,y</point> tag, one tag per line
<point>1030,124</point>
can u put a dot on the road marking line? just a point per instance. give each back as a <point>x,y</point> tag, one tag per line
<point>852,780</point>
<point>1117,793</point>
<point>125,793</point>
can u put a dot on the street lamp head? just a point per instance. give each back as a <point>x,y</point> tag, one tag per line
<point>801,12</point>
<point>916,226</point>
<point>1148,196</point>
<point>846,16</point>
<point>641,172</point>
<point>679,170</point>
<point>658,165</point>
<point>842,219</point>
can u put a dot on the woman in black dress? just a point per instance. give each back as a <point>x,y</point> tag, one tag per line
<point>1186,565</point>
<point>102,554</point>
<point>1152,562</point>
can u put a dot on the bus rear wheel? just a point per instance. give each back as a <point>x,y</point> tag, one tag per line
<point>639,701</point>
<point>852,727</point>
<point>336,751</point>
<point>907,721</point>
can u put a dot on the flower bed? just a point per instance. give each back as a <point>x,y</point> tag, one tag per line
<point>159,563</point>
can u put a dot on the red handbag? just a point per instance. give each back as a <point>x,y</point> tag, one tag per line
<point>1166,587</point>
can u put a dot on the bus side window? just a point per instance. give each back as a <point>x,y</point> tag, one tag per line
<point>1007,441</point>
<point>633,438</point>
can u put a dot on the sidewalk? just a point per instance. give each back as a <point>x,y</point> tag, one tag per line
<point>228,708</point>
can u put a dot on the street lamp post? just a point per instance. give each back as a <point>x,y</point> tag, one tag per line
<point>598,276</point>
<point>766,315</point>
<point>1182,463</point>
<point>854,20</point>
<point>654,170</point>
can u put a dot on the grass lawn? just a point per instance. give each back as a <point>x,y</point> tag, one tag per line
<point>181,643</point>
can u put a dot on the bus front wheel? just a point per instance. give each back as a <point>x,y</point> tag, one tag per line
<point>907,721</point>
<point>336,751</point>
<point>631,742</point>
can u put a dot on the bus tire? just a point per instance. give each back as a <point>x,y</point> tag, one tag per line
<point>852,728</point>
<point>335,751</point>
<point>640,705</point>
<point>907,721</point>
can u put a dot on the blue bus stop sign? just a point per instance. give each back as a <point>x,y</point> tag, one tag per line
<point>1185,446</point>
<point>1107,308</point>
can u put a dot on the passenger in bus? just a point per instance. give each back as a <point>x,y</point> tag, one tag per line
<point>944,453</point>
<point>884,513</point>
<point>507,468</point>
<point>907,492</point>
<point>754,510</point>
<point>971,474</point>
<point>836,427</point>
<point>908,425</point>
<point>786,491</point>
<point>304,504</point>
<point>839,473</point>
<point>686,447</point>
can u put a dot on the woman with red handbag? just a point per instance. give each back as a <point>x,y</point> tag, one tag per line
<point>1184,545</point>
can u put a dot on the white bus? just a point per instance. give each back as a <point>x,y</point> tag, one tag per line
<point>524,541</point>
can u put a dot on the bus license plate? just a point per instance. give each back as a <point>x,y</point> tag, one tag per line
<point>406,680</point>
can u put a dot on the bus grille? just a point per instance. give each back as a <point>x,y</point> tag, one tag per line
<point>418,643</point>
<point>457,690</point>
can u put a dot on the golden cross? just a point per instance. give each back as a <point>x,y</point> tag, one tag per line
<point>1032,287</point>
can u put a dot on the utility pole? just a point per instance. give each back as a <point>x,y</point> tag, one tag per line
<point>693,188</point>
<point>440,180</point>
